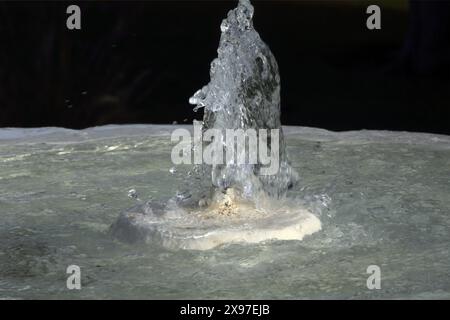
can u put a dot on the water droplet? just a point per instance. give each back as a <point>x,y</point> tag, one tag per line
<point>183,195</point>
<point>132,194</point>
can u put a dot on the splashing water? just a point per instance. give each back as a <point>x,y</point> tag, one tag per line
<point>244,92</point>
<point>382,198</point>
<point>238,203</point>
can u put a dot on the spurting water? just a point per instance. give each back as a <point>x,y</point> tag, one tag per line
<point>240,202</point>
<point>244,92</point>
<point>382,198</point>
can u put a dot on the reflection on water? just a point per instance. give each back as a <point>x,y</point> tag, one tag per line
<point>382,198</point>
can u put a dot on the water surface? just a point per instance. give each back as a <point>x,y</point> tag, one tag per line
<point>382,197</point>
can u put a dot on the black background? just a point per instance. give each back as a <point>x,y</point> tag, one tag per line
<point>140,61</point>
<point>279,309</point>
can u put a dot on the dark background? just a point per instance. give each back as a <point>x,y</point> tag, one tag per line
<point>139,62</point>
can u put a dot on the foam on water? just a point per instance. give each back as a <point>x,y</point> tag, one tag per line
<point>222,222</point>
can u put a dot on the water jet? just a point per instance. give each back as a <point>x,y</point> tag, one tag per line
<point>240,202</point>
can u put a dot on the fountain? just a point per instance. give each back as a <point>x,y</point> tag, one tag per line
<point>244,92</point>
<point>241,202</point>
<point>382,198</point>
